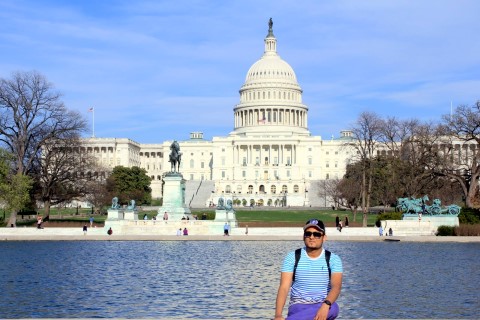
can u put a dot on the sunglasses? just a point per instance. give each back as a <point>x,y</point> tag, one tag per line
<point>308,234</point>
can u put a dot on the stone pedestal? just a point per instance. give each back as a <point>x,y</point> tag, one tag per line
<point>115,214</point>
<point>223,215</point>
<point>174,198</point>
<point>130,215</point>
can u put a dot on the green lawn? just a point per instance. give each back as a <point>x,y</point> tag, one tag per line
<point>293,216</point>
<point>243,215</point>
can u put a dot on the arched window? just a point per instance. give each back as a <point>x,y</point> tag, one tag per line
<point>261,189</point>
<point>273,189</point>
<point>228,189</point>
<point>295,188</point>
<point>284,188</point>
<point>250,189</point>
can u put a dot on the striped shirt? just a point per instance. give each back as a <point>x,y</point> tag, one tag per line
<point>311,277</point>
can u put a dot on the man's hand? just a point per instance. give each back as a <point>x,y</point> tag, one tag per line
<point>322,313</point>
<point>279,318</point>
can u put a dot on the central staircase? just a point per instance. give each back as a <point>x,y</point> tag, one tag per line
<point>197,193</point>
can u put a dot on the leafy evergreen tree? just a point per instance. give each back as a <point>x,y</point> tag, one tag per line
<point>130,184</point>
<point>14,187</point>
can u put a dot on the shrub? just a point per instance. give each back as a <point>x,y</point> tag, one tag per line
<point>468,230</point>
<point>469,216</point>
<point>157,202</point>
<point>446,231</point>
<point>391,215</point>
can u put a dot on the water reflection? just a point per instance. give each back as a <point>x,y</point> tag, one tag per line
<point>229,280</point>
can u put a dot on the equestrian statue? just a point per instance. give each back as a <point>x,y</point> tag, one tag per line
<point>175,156</point>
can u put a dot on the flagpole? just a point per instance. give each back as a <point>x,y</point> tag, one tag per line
<point>451,110</point>
<point>93,123</point>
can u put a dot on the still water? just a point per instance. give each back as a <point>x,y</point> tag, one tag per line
<point>229,280</point>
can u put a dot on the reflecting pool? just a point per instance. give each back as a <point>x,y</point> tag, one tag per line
<point>229,279</point>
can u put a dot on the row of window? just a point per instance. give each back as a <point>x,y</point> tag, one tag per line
<point>261,189</point>
<point>151,154</point>
<point>270,73</point>
<point>257,95</point>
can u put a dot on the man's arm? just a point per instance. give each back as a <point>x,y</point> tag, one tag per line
<point>336,287</point>
<point>283,289</point>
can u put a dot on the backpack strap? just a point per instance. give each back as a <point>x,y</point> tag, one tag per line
<point>327,258</point>
<point>298,253</point>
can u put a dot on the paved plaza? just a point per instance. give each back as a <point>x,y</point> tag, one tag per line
<point>237,234</point>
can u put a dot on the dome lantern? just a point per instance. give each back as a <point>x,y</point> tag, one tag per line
<point>270,41</point>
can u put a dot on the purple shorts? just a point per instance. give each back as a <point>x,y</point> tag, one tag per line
<point>300,311</point>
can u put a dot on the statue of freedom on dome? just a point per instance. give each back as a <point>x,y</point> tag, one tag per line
<point>270,24</point>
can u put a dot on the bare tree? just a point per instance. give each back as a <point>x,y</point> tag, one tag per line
<point>328,190</point>
<point>350,193</point>
<point>63,172</point>
<point>31,113</point>
<point>461,151</point>
<point>97,194</point>
<point>410,144</point>
<point>367,133</point>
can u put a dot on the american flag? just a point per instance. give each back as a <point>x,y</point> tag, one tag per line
<point>90,110</point>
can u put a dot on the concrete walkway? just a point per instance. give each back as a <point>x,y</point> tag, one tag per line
<point>238,234</point>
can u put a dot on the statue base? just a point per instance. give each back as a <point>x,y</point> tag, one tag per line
<point>223,215</point>
<point>435,220</point>
<point>115,214</point>
<point>130,215</point>
<point>174,198</point>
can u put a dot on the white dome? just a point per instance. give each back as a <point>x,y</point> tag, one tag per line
<point>271,68</point>
<point>271,98</point>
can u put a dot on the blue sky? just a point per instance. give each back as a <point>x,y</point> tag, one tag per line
<point>158,70</point>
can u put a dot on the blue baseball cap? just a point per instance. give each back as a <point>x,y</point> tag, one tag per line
<point>315,223</point>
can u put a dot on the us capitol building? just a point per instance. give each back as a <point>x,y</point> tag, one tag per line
<point>269,159</point>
